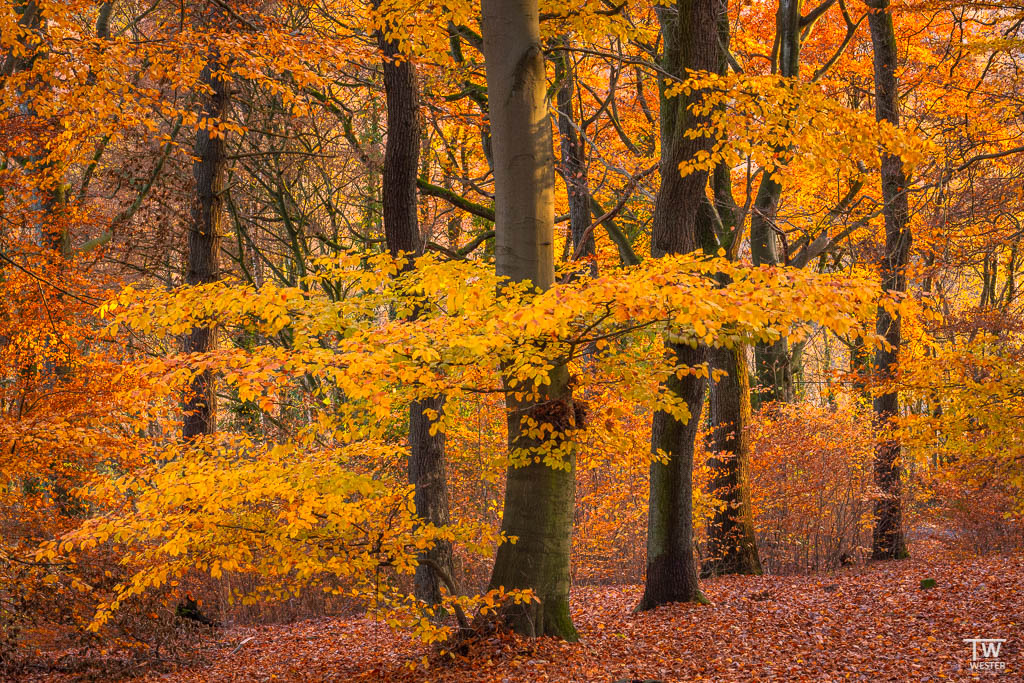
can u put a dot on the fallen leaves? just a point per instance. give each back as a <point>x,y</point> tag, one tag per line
<point>859,624</point>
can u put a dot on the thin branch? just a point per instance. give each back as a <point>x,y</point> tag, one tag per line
<point>39,278</point>
<point>452,588</point>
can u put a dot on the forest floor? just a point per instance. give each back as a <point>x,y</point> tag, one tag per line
<point>870,623</point>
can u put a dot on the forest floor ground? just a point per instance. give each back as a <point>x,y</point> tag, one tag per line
<point>869,623</point>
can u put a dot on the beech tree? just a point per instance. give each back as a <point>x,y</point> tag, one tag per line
<point>204,236</point>
<point>538,498</point>
<point>731,543</point>
<point>427,470</point>
<point>690,34</point>
<point>349,217</point>
<point>887,540</point>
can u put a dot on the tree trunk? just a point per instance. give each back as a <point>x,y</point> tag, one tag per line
<point>772,359</point>
<point>671,568</point>
<point>538,504</point>
<point>428,474</point>
<point>732,548</point>
<point>427,462</point>
<point>574,167</point>
<point>401,153</point>
<point>49,195</point>
<point>204,235</point>
<point>887,540</point>
<point>691,42</point>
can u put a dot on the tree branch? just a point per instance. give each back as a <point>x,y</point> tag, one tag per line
<point>457,200</point>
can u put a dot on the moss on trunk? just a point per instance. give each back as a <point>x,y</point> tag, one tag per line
<point>732,548</point>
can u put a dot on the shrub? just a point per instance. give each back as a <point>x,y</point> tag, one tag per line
<point>811,485</point>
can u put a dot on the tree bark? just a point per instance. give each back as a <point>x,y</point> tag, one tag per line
<point>671,568</point>
<point>401,153</point>
<point>29,18</point>
<point>204,235</point>
<point>523,163</point>
<point>887,539</point>
<point>690,32</point>
<point>574,166</point>
<point>49,196</point>
<point>772,359</point>
<point>427,460</point>
<point>428,474</point>
<point>538,503</point>
<point>732,547</point>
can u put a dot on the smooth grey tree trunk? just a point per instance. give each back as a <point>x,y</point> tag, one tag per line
<point>538,504</point>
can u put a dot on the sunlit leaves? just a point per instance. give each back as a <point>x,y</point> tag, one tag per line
<point>788,128</point>
<point>324,501</point>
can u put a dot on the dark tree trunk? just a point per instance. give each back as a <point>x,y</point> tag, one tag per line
<point>427,463</point>
<point>690,33</point>
<point>401,153</point>
<point>428,474</point>
<point>29,18</point>
<point>771,359</point>
<point>538,499</point>
<point>887,540</point>
<point>775,379</point>
<point>732,548</point>
<point>204,235</point>
<point>574,166</point>
<point>671,568</point>
<point>48,203</point>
